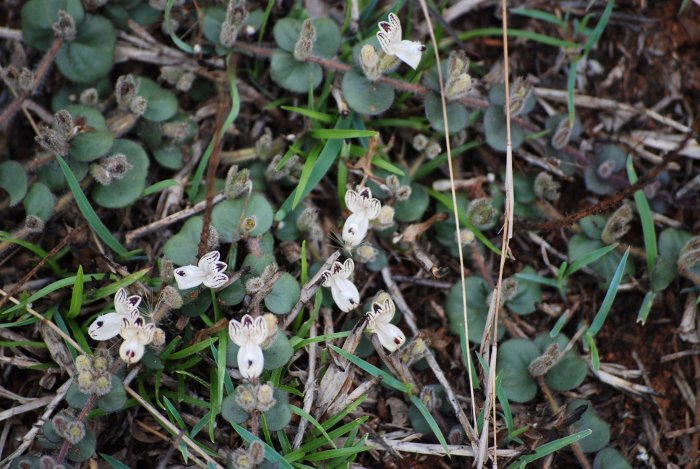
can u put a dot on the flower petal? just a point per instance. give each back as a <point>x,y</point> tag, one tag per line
<point>355,228</point>
<point>345,294</point>
<point>131,351</point>
<point>105,327</point>
<point>352,201</point>
<point>189,276</point>
<point>215,280</point>
<point>250,360</point>
<point>390,336</point>
<point>210,263</point>
<point>124,304</point>
<point>409,52</point>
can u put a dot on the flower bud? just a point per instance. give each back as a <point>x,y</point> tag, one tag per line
<point>386,215</point>
<point>185,82</point>
<point>178,131</point>
<point>158,337</point>
<point>481,212</point>
<point>238,183</point>
<point>19,80</point>
<point>307,219</point>
<point>509,288</point>
<point>466,236</point>
<point>74,432</point>
<point>249,224</point>
<point>100,174</point>
<point>60,423</point>
<point>366,253</point>
<point>458,138</point>
<point>414,351</point>
<point>212,239</point>
<point>126,90</point>
<point>65,26</point>
<point>171,297</point>
<point>419,142</point>
<point>52,141</point>
<point>689,254</point>
<point>166,268</point>
<point>47,462</point>
<point>102,361</point>
<point>393,183</point>
<point>239,459</point>
<point>370,63</point>
<point>429,398</point>
<point>83,363</point>
<point>116,165</point>
<point>103,384</point>
<point>245,398</point>
<point>272,329</point>
<point>562,134</point>
<point>305,44</point>
<point>433,150</point>
<point>542,364</point>
<point>266,399</point>
<point>458,82</point>
<point>236,14</point>
<point>546,187</point>
<point>521,91</point>
<point>89,97</point>
<point>455,436</point>
<point>256,452</point>
<point>618,224</point>
<point>33,224</point>
<point>254,285</point>
<point>86,382</point>
<point>606,169</point>
<point>403,193</point>
<point>138,105</point>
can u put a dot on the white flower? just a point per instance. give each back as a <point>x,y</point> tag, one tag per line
<point>344,292</point>
<point>107,325</point>
<point>389,36</point>
<point>379,322</point>
<point>136,334</point>
<point>249,334</point>
<point>208,271</point>
<point>364,208</point>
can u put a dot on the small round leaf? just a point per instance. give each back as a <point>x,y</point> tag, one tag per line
<point>52,176</point>
<point>169,157</point>
<point>364,96</point>
<point>13,178</point>
<point>278,353</point>
<point>91,55</point>
<point>162,103</point>
<point>284,295</point>
<point>115,399</point>
<point>457,115</point>
<point>84,449</point>
<point>231,411</point>
<point>38,17</point>
<point>610,458</point>
<point>39,201</point>
<point>413,208</point>
<point>181,249</point>
<point>514,357</point>
<point>293,75</point>
<point>226,217</point>
<point>495,130</point>
<point>96,141</point>
<point>125,191</point>
<point>75,398</point>
<point>570,372</point>
<point>590,420</point>
<point>279,416</point>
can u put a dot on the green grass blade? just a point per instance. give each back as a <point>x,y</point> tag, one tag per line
<point>538,15</point>
<point>519,33</point>
<point>599,28</point>
<point>371,369</point>
<point>37,250</point>
<point>76,299</point>
<point>538,279</point>
<point>648,230</point>
<point>602,313</point>
<point>182,45</point>
<point>114,287</point>
<point>306,171</point>
<point>320,338</point>
<point>588,258</point>
<point>89,213</point>
<point>302,413</point>
<point>170,408</point>
<point>342,134</point>
<point>50,288</point>
<point>270,453</point>
<point>338,453</point>
<point>505,405</point>
<point>159,186</point>
<point>431,422</point>
<point>191,350</point>
<point>439,160</point>
<point>319,116</point>
<point>115,463</point>
<point>386,165</point>
<point>646,307</point>
<point>324,162</point>
<point>595,356</point>
<point>549,448</point>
